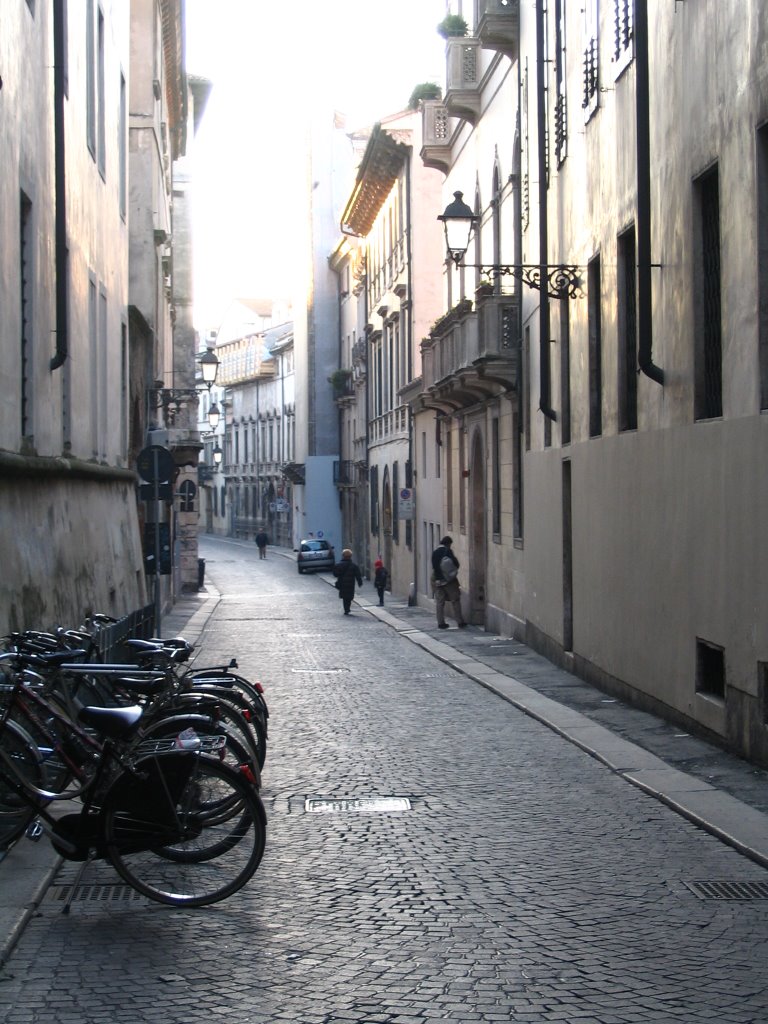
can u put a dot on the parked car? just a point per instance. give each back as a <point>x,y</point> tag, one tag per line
<point>314,555</point>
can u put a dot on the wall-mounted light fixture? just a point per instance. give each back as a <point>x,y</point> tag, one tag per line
<point>459,221</point>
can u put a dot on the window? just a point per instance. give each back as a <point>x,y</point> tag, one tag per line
<point>565,371</point>
<point>123,172</point>
<point>374,486</point>
<point>495,479</point>
<point>708,368</point>
<point>561,107</point>
<point>462,478</point>
<point>517,494</point>
<point>595,349</point>
<point>762,259</point>
<point>591,58</point>
<point>90,78</point>
<point>25,297</point>
<point>223,499</point>
<point>449,476</point>
<point>710,669</point>
<point>101,141</point>
<point>623,33</point>
<point>395,503</point>
<point>627,312</point>
<point>496,213</point>
<point>424,473</point>
<point>94,362</point>
<point>103,372</point>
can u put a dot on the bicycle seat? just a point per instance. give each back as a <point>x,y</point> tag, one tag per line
<point>116,723</point>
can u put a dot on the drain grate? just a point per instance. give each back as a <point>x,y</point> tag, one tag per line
<point>96,892</point>
<point>318,671</point>
<point>357,805</point>
<point>729,890</point>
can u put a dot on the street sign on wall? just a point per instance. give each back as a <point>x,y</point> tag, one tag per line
<point>406,503</point>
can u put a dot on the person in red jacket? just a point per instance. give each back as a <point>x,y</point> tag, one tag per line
<point>380,579</point>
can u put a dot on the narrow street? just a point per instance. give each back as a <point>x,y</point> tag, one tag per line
<point>526,883</point>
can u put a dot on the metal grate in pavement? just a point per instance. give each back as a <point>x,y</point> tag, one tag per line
<point>357,805</point>
<point>96,892</point>
<point>729,890</point>
<point>318,671</point>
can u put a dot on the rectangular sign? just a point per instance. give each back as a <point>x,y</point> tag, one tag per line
<point>406,503</point>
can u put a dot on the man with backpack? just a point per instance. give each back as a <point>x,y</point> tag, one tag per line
<point>445,579</point>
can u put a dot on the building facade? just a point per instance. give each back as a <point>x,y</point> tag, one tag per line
<point>390,216</point>
<point>71,541</point>
<point>608,498</point>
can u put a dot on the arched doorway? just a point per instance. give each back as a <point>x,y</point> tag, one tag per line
<point>475,609</point>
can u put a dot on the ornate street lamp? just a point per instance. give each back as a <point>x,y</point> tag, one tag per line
<point>213,416</point>
<point>217,456</point>
<point>209,365</point>
<point>458,223</point>
<point>559,280</point>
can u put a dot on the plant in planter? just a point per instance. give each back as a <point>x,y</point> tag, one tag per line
<point>452,25</point>
<point>339,379</point>
<point>424,91</point>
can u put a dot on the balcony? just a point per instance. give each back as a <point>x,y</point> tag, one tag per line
<point>436,136</point>
<point>471,355</point>
<point>498,25</point>
<point>462,93</point>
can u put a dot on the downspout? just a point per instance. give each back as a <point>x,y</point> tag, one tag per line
<point>59,91</point>
<point>644,296</point>
<point>541,111</point>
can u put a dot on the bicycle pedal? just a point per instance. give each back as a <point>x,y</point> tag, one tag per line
<point>34,831</point>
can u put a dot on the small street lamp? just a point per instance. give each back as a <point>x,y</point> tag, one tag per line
<point>217,456</point>
<point>458,223</point>
<point>213,416</point>
<point>209,365</point>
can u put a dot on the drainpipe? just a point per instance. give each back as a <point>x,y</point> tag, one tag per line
<point>60,185</point>
<point>541,104</point>
<point>644,297</point>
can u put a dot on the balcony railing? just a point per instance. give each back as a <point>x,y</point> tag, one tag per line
<point>498,25</point>
<point>472,353</point>
<point>345,473</point>
<point>463,72</point>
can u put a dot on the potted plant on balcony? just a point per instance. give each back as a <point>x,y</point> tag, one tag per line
<point>424,91</point>
<point>451,26</point>
<point>339,380</point>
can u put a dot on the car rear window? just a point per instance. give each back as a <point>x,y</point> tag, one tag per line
<point>315,545</point>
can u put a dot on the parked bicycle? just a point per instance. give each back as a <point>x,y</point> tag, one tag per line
<point>177,824</point>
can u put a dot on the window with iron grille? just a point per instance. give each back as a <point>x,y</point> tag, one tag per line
<point>561,106</point>
<point>708,369</point>
<point>595,349</point>
<point>627,331</point>
<point>623,33</point>
<point>374,484</point>
<point>591,55</point>
<point>565,371</point>
<point>25,302</point>
<point>762,259</point>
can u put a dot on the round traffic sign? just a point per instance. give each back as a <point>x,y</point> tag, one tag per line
<point>155,464</point>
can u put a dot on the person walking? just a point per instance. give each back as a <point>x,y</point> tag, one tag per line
<point>261,542</point>
<point>380,579</point>
<point>445,580</point>
<point>346,573</point>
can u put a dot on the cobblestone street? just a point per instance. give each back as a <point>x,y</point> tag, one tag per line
<point>526,883</point>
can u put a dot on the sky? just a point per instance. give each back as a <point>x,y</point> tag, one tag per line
<point>271,62</point>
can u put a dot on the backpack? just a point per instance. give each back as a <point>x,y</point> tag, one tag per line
<point>448,568</point>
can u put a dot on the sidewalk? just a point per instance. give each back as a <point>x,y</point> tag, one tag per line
<point>715,790</point>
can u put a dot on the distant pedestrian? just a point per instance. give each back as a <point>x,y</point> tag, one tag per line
<point>380,577</point>
<point>445,580</point>
<point>261,543</point>
<point>346,573</point>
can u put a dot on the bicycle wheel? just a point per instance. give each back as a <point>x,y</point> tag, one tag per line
<point>20,761</point>
<point>188,831</point>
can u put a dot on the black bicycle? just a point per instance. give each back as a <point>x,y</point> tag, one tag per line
<point>177,824</point>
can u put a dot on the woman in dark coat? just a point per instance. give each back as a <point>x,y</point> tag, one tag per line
<point>346,573</point>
